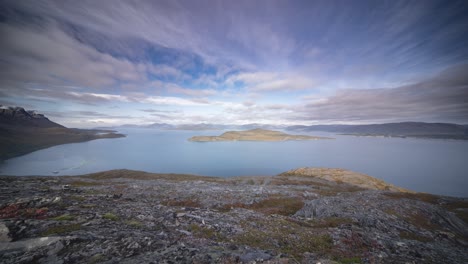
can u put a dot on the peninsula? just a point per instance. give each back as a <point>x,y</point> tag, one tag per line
<point>254,135</point>
<point>23,131</point>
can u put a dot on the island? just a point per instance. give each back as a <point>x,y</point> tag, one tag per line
<point>23,131</point>
<point>306,215</point>
<point>254,135</point>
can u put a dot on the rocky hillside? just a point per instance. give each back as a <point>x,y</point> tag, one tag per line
<point>403,129</point>
<point>126,216</point>
<point>23,131</point>
<point>253,135</point>
<point>18,117</point>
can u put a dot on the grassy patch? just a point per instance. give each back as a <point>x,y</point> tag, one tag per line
<point>283,236</point>
<point>424,197</point>
<point>330,222</point>
<point>62,229</point>
<point>281,206</point>
<point>79,183</point>
<point>459,208</point>
<point>140,175</point>
<point>204,232</point>
<point>273,205</point>
<point>392,212</point>
<point>77,198</point>
<point>352,260</point>
<point>413,236</point>
<point>463,215</point>
<point>110,216</point>
<point>88,206</point>
<point>98,258</point>
<point>64,217</point>
<point>134,223</point>
<point>422,221</point>
<point>183,203</point>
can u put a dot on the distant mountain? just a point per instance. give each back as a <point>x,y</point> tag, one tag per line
<point>23,131</point>
<point>403,129</point>
<point>17,116</point>
<point>199,126</point>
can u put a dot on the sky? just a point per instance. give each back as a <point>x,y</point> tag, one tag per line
<point>109,62</point>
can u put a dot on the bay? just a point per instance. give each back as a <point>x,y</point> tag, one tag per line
<point>426,165</point>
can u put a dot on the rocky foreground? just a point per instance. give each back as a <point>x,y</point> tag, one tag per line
<point>301,216</point>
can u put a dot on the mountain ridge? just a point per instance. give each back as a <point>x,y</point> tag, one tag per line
<point>23,131</point>
<point>397,129</point>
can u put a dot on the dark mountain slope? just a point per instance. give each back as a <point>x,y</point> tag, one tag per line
<point>24,131</point>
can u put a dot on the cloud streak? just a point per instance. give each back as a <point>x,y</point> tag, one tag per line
<point>242,61</point>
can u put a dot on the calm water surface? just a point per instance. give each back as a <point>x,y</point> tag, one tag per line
<point>426,165</point>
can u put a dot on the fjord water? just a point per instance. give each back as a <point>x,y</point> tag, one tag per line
<point>426,165</point>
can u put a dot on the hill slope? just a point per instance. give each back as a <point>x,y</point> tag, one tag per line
<point>403,129</point>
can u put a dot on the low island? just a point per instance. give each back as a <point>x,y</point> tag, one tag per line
<point>254,135</point>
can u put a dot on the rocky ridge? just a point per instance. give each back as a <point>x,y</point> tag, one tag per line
<point>18,116</point>
<point>124,216</point>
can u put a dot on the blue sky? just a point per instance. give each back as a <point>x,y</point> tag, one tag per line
<point>98,63</point>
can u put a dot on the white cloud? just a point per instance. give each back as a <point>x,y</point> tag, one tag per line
<point>271,81</point>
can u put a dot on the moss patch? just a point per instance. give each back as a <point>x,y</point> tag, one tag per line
<point>79,183</point>
<point>205,232</point>
<point>64,217</point>
<point>183,203</point>
<point>61,229</point>
<point>134,223</point>
<point>412,236</point>
<point>110,216</point>
<point>274,205</point>
<point>284,236</point>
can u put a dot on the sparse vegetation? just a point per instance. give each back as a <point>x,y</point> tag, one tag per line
<point>419,220</point>
<point>351,260</point>
<point>330,222</point>
<point>284,236</point>
<point>274,205</point>
<point>413,236</point>
<point>98,258</point>
<point>64,217</point>
<point>183,203</point>
<point>61,229</point>
<point>110,216</point>
<point>204,232</point>
<point>79,183</point>
<point>134,223</point>
<point>424,197</point>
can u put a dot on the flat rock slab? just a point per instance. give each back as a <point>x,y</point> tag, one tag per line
<point>27,245</point>
<point>4,233</point>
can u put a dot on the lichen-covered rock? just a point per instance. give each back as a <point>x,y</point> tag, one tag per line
<point>135,217</point>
